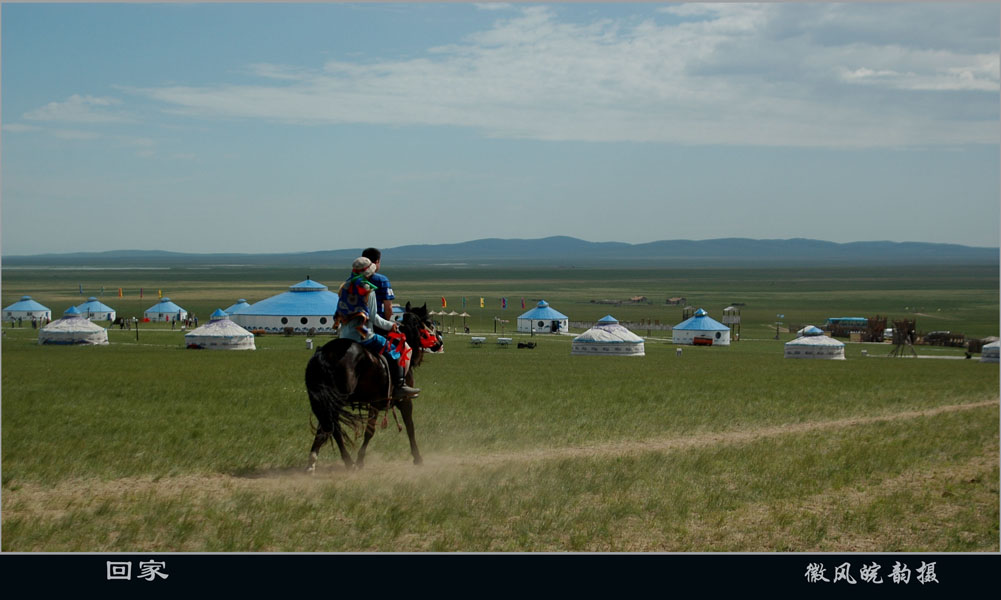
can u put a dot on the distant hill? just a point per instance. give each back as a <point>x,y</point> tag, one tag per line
<point>565,251</point>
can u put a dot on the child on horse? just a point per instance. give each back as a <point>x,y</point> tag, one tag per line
<point>357,311</point>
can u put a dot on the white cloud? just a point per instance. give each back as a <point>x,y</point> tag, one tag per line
<point>492,5</point>
<point>73,134</point>
<point>739,74</point>
<point>19,127</point>
<point>80,109</point>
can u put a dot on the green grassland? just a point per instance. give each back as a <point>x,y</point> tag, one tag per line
<point>145,446</point>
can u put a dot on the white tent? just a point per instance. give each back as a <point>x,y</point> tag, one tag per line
<point>608,338</point>
<point>95,310</point>
<point>220,334</point>
<point>989,353</point>
<point>812,343</point>
<point>543,319</point>
<point>73,328</point>
<point>701,329</point>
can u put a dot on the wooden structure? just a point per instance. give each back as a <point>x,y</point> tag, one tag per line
<point>731,318</point>
<point>904,335</point>
<point>875,330</point>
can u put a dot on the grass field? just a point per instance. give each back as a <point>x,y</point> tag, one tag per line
<point>144,446</point>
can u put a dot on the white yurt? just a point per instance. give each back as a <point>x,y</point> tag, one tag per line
<point>220,334</point>
<point>812,343</point>
<point>608,338</point>
<point>701,329</point>
<point>73,328</point>
<point>165,309</point>
<point>95,310</point>
<point>235,308</point>
<point>26,308</point>
<point>543,319</point>
<point>989,353</point>
<point>306,305</point>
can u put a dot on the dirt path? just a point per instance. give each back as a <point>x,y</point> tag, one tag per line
<point>35,499</point>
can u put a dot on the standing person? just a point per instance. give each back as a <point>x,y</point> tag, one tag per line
<point>356,311</point>
<point>384,290</point>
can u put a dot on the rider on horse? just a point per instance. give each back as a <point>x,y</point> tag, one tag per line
<point>357,311</point>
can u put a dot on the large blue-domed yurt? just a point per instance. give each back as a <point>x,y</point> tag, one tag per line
<point>307,305</point>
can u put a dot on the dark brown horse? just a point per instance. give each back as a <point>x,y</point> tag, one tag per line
<point>344,380</point>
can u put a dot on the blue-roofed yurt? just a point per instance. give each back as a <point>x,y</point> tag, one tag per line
<point>95,310</point>
<point>165,310</point>
<point>241,304</point>
<point>306,305</point>
<point>608,338</point>
<point>73,328</point>
<point>220,333</point>
<point>701,330</point>
<point>26,308</point>
<point>543,319</point>
<point>812,343</point>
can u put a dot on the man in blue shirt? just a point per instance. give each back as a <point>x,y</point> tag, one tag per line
<point>384,290</point>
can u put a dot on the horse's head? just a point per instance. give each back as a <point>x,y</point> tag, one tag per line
<point>419,329</point>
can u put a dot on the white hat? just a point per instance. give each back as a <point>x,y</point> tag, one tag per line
<point>364,266</point>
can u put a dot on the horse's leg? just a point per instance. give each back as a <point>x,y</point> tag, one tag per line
<point>339,438</point>
<point>407,411</point>
<point>373,415</point>
<point>318,441</point>
<point>406,407</point>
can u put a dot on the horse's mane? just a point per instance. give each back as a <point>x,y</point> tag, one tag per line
<point>410,326</point>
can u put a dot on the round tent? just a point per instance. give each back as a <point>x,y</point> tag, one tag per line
<point>220,333</point>
<point>164,310</point>
<point>95,310</point>
<point>814,344</point>
<point>235,308</point>
<point>543,319</point>
<point>990,353</point>
<point>306,305</point>
<point>608,338</point>
<point>700,330</point>
<point>26,308</point>
<point>73,328</point>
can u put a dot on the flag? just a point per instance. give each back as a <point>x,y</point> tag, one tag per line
<point>481,302</point>
<point>463,303</point>
<point>443,303</point>
<point>119,292</point>
<point>140,293</point>
<point>159,293</point>
<point>81,289</point>
<point>523,303</point>
<point>503,302</point>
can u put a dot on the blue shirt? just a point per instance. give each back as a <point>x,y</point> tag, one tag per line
<point>383,292</point>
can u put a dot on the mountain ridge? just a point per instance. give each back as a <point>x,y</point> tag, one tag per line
<point>571,251</point>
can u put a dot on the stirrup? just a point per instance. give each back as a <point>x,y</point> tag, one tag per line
<point>405,391</point>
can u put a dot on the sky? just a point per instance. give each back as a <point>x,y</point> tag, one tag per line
<point>278,127</point>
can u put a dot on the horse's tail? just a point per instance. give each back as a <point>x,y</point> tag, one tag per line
<point>331,404</point>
